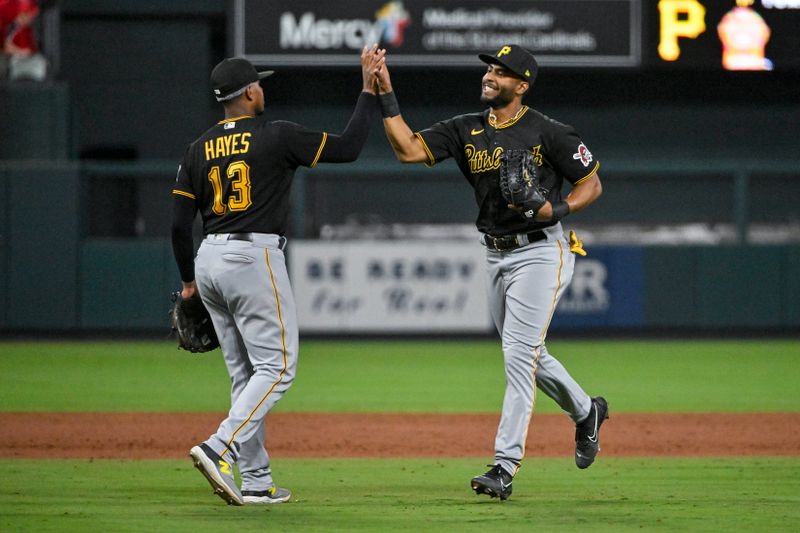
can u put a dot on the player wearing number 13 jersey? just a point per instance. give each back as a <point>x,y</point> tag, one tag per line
<point>238,175</point>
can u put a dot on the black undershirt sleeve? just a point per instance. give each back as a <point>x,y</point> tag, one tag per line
<point>346,147</point>
<point>183,212</point>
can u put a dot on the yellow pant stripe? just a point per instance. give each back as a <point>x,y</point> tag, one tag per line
<point>541,341</point>
<point>555,294</point>
<point>285,364</point>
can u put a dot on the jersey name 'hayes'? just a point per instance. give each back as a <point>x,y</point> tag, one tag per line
<point>226,163</point>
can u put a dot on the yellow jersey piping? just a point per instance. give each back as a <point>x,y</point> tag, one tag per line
<point>589,175</point>
<point>431,159</point>
<point>512,121</point>
<point>184,193</point>
<point>319,151</point>
<point>233,119</point>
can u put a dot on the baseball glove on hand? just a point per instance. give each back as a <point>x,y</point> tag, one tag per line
<point>519,182</point>
<point>192,323</point>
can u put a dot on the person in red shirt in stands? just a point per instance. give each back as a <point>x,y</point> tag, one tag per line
<point>18,39</point>
<point>16,17</point>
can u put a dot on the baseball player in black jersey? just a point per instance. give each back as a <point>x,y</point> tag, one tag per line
<point>528,258</point>
<point>238,175</point>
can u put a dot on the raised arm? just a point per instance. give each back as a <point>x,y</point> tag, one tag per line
<point>406,145</point>
<point>347,146</point>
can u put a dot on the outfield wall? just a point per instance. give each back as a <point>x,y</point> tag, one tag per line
<point>72,284</point>
<point>61,269</point>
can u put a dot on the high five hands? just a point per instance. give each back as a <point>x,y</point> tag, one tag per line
<point>382,73</point>
<point>374,71</point>
<point>372,62</point>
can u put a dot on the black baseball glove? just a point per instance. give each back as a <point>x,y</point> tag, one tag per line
<point>519,182</point>
<point>192,324</point>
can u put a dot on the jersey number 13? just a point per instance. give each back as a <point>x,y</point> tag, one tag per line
<point>238,199</point>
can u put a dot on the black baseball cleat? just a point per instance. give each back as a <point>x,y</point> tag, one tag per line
<point>587,433</point>
<point>496,483</point>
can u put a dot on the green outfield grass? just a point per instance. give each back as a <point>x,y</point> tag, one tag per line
<point>620,494</point>
<point>402,376</point>
<point>409,495</point>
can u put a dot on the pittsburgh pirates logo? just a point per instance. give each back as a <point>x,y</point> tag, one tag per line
<point>583,155</point>
<point>504,51</point>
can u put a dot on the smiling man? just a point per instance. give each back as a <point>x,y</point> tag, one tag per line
<point>528,258</point>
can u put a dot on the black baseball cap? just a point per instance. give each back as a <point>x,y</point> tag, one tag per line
<point>232,75</point>
<point>515,58</point>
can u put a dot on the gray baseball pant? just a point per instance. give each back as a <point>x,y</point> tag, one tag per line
<point>245,286</point>
<point>524,288</point>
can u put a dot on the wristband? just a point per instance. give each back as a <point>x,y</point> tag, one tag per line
<point>389,106</point>
<point>560,210</point>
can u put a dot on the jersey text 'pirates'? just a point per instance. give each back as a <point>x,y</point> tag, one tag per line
<point>476,146</point>
<point>240,172</point>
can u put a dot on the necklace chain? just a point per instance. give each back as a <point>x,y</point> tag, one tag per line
<point>493,118</point>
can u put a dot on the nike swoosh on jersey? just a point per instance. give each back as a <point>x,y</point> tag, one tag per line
<point>475,132</point>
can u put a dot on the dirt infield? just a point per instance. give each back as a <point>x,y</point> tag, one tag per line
<point>170,435</point>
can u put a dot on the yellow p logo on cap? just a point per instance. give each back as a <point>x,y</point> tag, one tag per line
<point>503,51</point>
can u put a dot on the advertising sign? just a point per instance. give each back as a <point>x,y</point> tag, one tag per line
<point>389,287</point>
<point>599,33</point>
<point>440,287</point>
<point>607,290</point>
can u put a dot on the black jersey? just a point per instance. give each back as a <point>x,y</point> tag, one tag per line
<point>240,172</point>
<point>476,146</point>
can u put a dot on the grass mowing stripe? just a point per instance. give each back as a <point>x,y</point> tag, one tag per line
<point>403,376</point>
<point>740,494</point>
